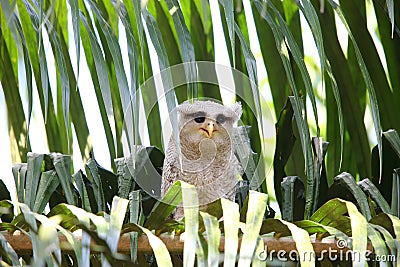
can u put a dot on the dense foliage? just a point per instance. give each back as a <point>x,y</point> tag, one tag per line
<point>327,178</point>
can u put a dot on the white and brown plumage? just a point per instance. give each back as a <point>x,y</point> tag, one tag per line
<point>208,161</point>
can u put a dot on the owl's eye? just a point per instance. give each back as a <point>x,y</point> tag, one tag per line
<point>221,119</point>
<point>199,119</point>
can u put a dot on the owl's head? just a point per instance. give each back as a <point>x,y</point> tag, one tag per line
<point>207,119</point>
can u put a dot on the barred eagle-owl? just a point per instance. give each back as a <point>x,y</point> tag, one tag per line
<point>207,158</point>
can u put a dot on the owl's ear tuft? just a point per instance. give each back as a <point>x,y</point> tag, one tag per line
<point>237,109</point>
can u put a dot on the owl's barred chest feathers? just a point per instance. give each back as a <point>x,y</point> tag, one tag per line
<point>205,158</point>
<point>203,164</point>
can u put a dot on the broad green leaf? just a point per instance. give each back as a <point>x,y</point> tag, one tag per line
<point>313,227</point>
<point>231,227</point>
<point>163,208</point>
<point>213,234</point>
<point>331,213</point>
<point>255,214</point>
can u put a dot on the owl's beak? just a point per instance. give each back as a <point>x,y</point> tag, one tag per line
<point>209,129</point>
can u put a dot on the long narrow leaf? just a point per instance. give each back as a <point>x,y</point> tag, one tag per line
<point>395,205</point>
<point>359,232</point>
<point>368,82</point>
<point>169,93</point>
<point>213,234</point>
<point>303,244</point>
<point>47,185</point>
<point>389,240</point>
<point>117,215</point>
<point>115,50</point>
<point>378,244</point>
<point>186,45</point>
<point>32,178</point>
<point>191,208</point>
<point>231,226</point>
<point>367,186</point>
<point>62,166</point>
<point>10,252</point>
<point>254,217</point>
<point>160,250</point>
<point>93,176</point>
<point>76,28</point>
<point>348,181</point>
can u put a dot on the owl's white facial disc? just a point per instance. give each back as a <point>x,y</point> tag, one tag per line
<point>201,139</point>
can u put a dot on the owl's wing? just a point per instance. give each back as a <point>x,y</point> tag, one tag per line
<point>170,172</point>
